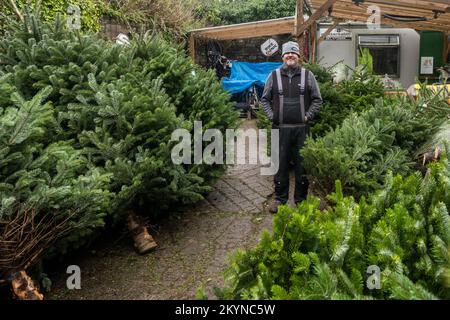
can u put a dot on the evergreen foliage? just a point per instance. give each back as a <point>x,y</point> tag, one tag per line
<point>339,100</point>
<point>49,187</point>
<point>90,13</point>
<point>403,229</point>
<point>365,147</point>
<point>223,12</point>
<point>87,124</point>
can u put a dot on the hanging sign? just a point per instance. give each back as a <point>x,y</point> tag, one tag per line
<point>426,65</point>
<point>269,47</point>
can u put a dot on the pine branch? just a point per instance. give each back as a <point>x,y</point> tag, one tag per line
<point>403,288</point>
<point>16,10</point>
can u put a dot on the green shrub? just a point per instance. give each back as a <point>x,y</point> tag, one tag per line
<point>89,10</point>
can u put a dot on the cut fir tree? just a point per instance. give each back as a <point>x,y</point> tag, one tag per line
<point>99,146</point>
<point>366,146</point>
<point>403,231</point>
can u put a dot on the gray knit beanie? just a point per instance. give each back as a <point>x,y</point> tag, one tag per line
<point>290,46</point>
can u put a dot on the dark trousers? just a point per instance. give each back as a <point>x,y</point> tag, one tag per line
<point>291,141</point>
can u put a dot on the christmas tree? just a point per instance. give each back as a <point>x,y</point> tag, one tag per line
<point>366,146</point>
<point>392,245</point>
<point>86,132</point>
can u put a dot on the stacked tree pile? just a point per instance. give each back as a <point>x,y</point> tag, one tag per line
<point>384,232</point>
<point>361,150</point>
<point>86,135</point>
<point>353,95</point>
<point>394,245</point>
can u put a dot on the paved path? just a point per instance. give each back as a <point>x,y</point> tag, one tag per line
<point>193,247</point>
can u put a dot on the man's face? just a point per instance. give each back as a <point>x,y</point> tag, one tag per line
<point>290,59</point>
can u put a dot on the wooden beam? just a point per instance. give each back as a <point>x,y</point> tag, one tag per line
<point>411,4</point>
<point>328,31</point>
<point>248,30</point>
<point>316,15</point>
<point>299,21</point>
<point>441,24</point>
<point>246,34</point>
<point>447,52</point>
<point>438,1</point>
<point>298,16</point>
<point>402,4</point>
<point>393,10</point>
<point>349,11</point>
<point>393,7</point>
<point>384,21</point>
<point>313,32</point>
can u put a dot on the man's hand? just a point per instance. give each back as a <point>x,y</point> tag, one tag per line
<point>306,119</point>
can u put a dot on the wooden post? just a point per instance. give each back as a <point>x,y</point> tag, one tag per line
<point>313,18</point>
<point>299,20</point>
<point>446,59</point>
<point>446,47</point>
<point>192,46</point>
<point>313,32</point>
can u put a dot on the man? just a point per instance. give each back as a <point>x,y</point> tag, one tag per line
<point>291,99</point>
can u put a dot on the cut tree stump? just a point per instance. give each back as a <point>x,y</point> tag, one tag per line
<point>143,241</point>
<point>432,156</point>
<point>23,287</point>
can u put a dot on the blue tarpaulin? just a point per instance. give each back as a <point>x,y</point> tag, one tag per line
<point>245,74</point>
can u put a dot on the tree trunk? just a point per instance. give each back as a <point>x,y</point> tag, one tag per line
<point>143,241</point>
<point>432,156</point>
<point>23,287</point>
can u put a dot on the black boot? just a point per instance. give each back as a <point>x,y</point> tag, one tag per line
<point>274,206</point>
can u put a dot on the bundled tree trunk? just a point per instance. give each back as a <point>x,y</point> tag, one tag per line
<point>432,156</point>
<point>23,287</point>
<point>143,241</point>
<point>22,243</point>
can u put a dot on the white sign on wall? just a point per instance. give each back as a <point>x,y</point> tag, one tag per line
<point>426,65</point>
<point>269,47</point>
<point>337,34</point>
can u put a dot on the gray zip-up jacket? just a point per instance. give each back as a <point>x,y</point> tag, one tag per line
<point>313,87</point>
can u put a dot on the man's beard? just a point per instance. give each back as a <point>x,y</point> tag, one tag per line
<point>291,64</point>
